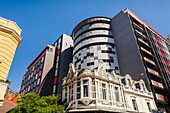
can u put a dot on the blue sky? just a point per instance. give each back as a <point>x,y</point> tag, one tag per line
<point>43,21</point>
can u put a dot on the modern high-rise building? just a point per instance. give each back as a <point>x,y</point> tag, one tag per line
<point>63,57</point>
<point>39,75</point>
<point>94,41</point>
<point>9,41</point>
<point>141,49</point>
<point>45,73</point>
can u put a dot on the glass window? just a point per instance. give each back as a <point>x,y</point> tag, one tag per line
<point>42,59</point>
<point>38,81</point>
<point>85,88</point>
<point>28,88</point>
<point>59,40</point>
<point>56,72</point>
<point>41,66</point>
<point>36,90</point>
<point>117,94</point>
<point>58,46</point>
<point>36,76</point>
<point>31,74</point>
<point>34,83</point>
<point>104,91</point>
<point>57,58</point>
<point>54,88</point>
<point>39,62</point>
<point>51,49</point>
<point>134,104</point>
<point>29,77</point>
<point>56,65</point>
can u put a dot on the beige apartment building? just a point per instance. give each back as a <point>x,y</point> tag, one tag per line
<point>9,41</point>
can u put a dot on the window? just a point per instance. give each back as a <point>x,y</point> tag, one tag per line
<point>54,88</point>
<point>117,94</point>
<point>143,87</point>
<point>90,63</point>
<point>29,77</point>
<point>85,88</point>
<point>58,46</point>
<point>56,72</point>
<point>57,58</point>
<point>42,59</point>
<point>116,68</point>
<point>104,91</point>
<point>41,66</point>
<point>134,104</point>
<point>28,88</point>
<point>56,65</point>
<point>129,82</point>
<point>51,49</point>
<point>59,40</point>
<point>149,106</point>
<point>38,81</point>
<point>36,76</point>
<point>39,62</point>
<point>70,93</point>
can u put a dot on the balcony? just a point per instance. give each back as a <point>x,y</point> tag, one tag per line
<point>148,52</point>
<point>153,72</point>
<point>141,40</point>
<point>140,34</point>
<point>157,84</point>
<point>161,97</point>
<point>137,26</point>
<point>150,61</point>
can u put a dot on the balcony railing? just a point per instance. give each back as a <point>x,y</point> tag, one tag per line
<point>153,72</point>
<point>161,97</point>
<point>137,26</point>
<point>146,51</point>
<point>140,34</point>
<point>143,41</point>
<point>155,83</point>
<point>148,60</point>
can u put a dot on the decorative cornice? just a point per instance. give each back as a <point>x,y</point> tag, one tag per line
<point>12,32</point>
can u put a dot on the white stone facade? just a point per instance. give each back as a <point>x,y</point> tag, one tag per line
<point>138,98</point>
<point>96,90</point>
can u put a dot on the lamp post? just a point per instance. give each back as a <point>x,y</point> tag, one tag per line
<point>133,89</point>
<point>137,78</point>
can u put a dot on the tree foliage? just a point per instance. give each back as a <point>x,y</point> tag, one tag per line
<point>32,103</point>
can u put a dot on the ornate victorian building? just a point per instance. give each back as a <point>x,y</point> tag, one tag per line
<point>137,96</point>
<point>86,90</point>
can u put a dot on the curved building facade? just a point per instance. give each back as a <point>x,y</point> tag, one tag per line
<point>94,41</point>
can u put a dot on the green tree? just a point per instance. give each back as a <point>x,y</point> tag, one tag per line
<point>32,103</point>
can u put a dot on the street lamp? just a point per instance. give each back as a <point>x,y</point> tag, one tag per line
<point>137,78</point>
<point>133,89</point>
